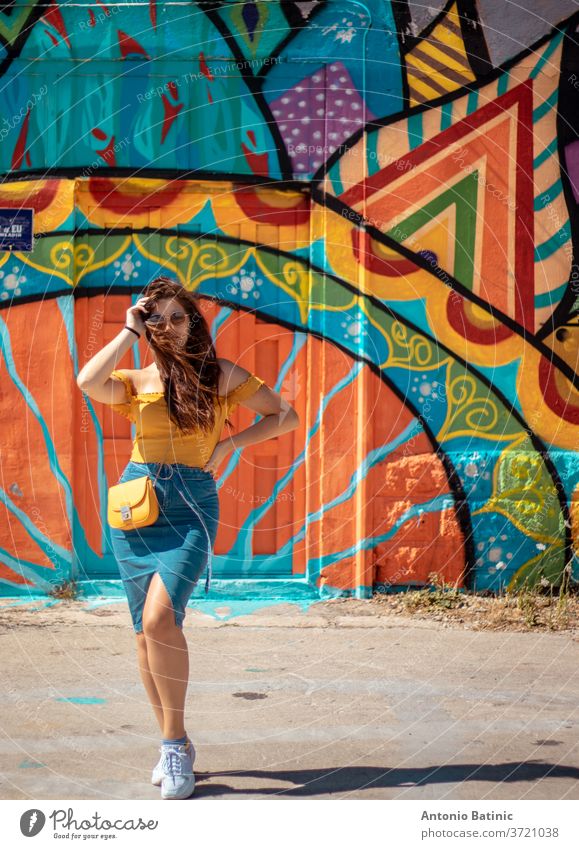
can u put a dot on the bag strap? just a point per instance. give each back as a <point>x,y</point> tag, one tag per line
<point>161,464</point>
<point>209,549</point>
<point>156,476</point>
<point>160,467</point>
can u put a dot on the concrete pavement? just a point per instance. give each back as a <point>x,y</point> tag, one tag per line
<point>336,700</point>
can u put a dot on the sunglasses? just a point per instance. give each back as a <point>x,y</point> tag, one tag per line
<point>177,319</point>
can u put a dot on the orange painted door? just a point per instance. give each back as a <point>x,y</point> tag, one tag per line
<point>262,488</point>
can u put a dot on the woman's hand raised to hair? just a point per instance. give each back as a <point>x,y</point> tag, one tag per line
<point>137,314</point>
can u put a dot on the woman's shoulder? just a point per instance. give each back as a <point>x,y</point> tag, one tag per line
<point>124,374</point>
<point>230,377</point>
<point>234,378</point>
<point>137,377</point>
<point>226,367</point>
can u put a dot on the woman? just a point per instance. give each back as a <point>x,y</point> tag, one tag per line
<point>179,404</point>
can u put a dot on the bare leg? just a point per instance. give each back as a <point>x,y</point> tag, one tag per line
<point>147,679</point>
<point>168,656</point>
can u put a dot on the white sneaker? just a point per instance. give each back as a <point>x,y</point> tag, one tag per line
<point>157,774</point>
<point>178,780</point>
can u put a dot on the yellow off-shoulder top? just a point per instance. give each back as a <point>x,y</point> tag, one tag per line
<point>158,440</point>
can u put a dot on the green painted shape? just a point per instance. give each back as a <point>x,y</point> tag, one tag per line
<point>12,25</point>
<point>464,196</point>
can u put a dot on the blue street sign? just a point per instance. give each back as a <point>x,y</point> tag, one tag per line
<point>16,229</point>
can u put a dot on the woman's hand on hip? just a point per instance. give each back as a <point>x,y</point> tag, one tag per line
<point>220,452</point>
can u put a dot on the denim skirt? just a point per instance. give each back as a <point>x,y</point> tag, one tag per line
<point>178,545</point>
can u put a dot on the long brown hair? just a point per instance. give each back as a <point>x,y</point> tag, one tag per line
<point>190,374</point>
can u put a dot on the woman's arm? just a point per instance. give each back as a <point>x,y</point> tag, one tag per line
<point>94,377</point>
<point>279,416</point>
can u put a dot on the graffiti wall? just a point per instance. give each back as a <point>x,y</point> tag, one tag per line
<point>378,202</point>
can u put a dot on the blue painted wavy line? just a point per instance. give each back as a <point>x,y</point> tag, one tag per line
<point>33,572</point>
<point>63,557</point>
<point>503,83</point>
<point>6,350</point>
<point>244,535</point>
<point>542,200</point>
<point>414,125</point>
<point>378,455</point>
<point>550,150</point>
<point>136,351</point>
<point>66,306</point>
<point>546,106</point>
<point>219,321</point>
<point>547,52</point>
<point>298,342</point>
<point>434,505</point>
<point>551,245</point>
<point>446,116</point>
<point>371,155</point>
<point>472,102</point>
<point>550,299</point>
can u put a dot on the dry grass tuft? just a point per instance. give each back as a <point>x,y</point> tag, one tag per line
<point>542,607</point>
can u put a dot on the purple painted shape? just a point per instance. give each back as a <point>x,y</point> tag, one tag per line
<point>572,160</point>
<point>327,101</point>
<point>429,255</point>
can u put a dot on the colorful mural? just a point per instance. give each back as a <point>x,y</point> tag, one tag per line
<point>379,203</point>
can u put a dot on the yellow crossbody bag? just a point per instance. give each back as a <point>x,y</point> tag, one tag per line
<point>133,504</point>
